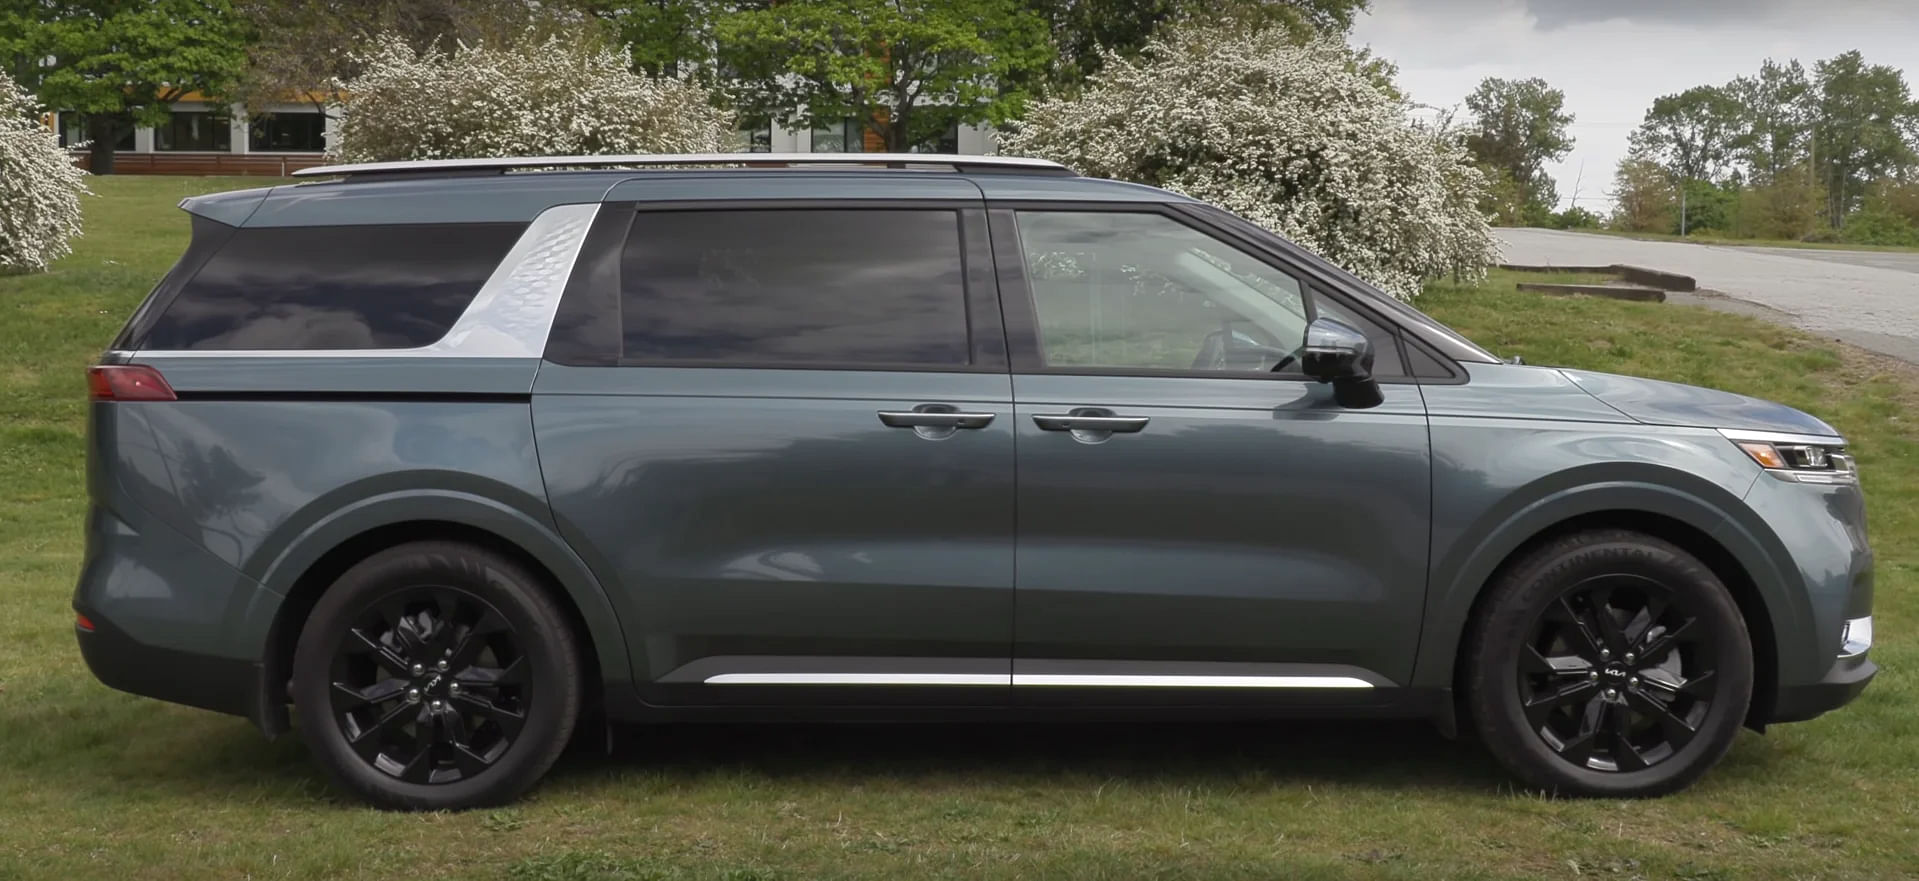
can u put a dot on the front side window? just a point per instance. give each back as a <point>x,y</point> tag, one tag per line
<point>336,287</point>
<point>834,288</point>
<point>1138,291</point>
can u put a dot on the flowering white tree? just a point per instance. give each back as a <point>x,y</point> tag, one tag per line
<point>1297,138</point>
<point>549,97</point>
<point>40,188</point>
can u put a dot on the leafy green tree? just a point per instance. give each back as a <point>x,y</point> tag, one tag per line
<point>1519,126</point>
<point>1863,125</point>
<point>905,70</point>
<point>1789,206</point>
<point>1643,197</point>
<point>670,37</point>
<point>117,63</point>
<point>1692,134</point>
<point>1774,119</point>
<point>1083,29</point>
<point>301,49</point>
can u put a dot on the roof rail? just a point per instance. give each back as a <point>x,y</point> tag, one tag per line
<point>914,161</point>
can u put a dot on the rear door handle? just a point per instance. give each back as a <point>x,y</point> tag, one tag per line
<point>934,419</point>
<point>1075,422</point>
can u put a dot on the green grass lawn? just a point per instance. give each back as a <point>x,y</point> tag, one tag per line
<point>98,784</point>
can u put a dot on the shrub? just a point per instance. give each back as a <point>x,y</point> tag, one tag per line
<point>1879,226</point>
<point>40,188</point>
<point>1574,218</point>
<point>535,97</point>
<point>1296,138</point>
<point>1789,207</point>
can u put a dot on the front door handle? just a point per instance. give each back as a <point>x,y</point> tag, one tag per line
<point>934,419</point>
<point>1079,421</point>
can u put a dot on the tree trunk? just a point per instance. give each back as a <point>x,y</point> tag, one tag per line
<point>103,132</point>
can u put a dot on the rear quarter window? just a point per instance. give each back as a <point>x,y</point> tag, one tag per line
<point>337,287</point>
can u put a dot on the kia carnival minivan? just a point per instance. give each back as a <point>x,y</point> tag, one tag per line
<point>444,458</point>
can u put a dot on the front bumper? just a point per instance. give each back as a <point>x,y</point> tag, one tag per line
<point>1847,678</point>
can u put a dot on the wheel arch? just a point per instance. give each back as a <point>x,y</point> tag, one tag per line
<point>1718,536</point>
<point>315,561</point>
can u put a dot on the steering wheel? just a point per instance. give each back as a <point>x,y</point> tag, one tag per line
<point>1224,347</point>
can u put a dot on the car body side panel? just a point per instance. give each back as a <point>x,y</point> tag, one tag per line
<point>265,482</point>
<point>768,512</point>
<point>1500,481</point>
<point>1251,520</point>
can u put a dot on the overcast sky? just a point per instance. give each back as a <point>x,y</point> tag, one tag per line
<point>1613,57</point>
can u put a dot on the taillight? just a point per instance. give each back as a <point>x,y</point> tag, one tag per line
<point>127,382</point>
<point>83,622</point>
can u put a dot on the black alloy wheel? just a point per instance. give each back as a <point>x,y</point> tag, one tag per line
<point>1607,663</point>
<point>437,675</point>
<point>1617,676</point>
<point>430,685</point>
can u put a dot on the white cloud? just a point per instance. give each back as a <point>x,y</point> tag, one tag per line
<point>1613,57</point>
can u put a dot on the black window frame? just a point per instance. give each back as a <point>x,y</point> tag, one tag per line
<point>1021,318</point>
<point>592,299</point>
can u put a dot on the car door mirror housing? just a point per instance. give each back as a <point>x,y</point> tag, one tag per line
<point>1339,353</point>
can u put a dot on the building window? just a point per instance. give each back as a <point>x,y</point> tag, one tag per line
<point>194,130</point>
<point>288,133</point>
<point>945,142</point>
<point>753,136</point>
<point>73,132</point>
<point>845,136</point>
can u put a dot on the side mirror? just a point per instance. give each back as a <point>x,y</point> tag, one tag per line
<point>1338,353</point>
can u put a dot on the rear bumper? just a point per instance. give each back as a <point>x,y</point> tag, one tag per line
<point>1847,678</point>
<point>224,685</point>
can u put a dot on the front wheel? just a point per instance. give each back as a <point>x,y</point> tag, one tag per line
<point>436,676</point>
<point>1608,663</point>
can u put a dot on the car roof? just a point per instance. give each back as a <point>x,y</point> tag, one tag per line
<point>515,190</point>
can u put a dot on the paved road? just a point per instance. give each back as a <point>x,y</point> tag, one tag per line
<point>1867,298</point>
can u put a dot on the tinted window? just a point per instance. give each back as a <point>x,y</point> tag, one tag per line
<point>1143,291</point>
<point>842,287</point>
<point>335,287</point>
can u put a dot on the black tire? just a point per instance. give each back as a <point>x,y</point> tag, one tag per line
<point>1610,728</point>
<point>478,731</point>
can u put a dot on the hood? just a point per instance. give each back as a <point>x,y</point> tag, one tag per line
<point>1669,403</point>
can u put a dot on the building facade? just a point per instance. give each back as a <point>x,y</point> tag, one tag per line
<point>202,137</point>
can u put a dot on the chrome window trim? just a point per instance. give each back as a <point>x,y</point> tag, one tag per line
<point>510,316</point>
<point>1780,437</point>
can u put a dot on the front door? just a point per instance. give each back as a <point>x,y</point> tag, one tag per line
<point>1198,520</point>
<point>796,472</point>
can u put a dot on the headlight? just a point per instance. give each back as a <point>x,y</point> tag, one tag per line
<point>1803,458</point>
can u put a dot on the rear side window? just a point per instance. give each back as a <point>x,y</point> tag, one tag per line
<point>868,287</point>
<point>333,287</point>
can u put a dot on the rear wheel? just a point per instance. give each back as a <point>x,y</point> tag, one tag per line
<point>436,676</point>
<point>1609,663</point>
